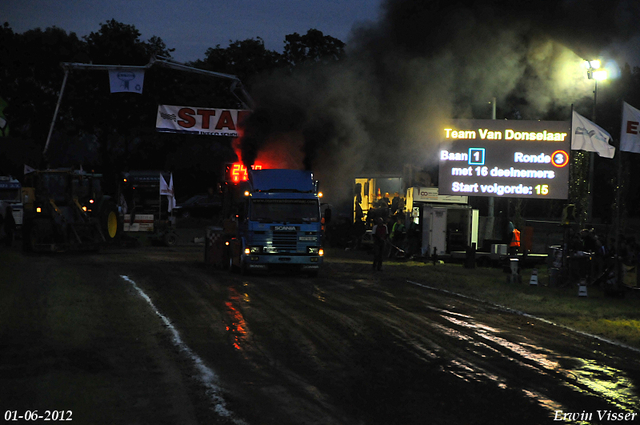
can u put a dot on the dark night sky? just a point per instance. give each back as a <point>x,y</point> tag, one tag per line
<point>193,26</point>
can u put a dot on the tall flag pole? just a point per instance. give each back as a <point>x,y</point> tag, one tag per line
<point>629,142</point>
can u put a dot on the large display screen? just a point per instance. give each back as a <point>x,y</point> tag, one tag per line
<point>505,158</point>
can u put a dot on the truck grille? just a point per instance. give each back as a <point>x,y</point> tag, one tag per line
<point>285,241</point>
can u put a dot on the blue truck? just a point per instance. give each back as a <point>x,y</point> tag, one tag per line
<point>277,222</point>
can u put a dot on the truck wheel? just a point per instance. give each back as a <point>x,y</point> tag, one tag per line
<point>232,267</point>
<point>226,256</point>
<point>244,269</point>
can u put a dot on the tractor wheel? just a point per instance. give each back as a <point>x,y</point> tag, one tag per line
<point>170,239</point>
<point>110,223</point>
<point>26,233</point>
<point>31,237</point>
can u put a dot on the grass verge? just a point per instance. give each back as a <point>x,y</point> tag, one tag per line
<point>616,319</point>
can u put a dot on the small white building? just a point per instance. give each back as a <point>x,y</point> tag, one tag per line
<point>448,222</point>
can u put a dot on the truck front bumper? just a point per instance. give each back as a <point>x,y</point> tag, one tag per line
<point>303,262</point>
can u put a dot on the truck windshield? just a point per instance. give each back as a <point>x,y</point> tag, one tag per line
<point>285,210</point>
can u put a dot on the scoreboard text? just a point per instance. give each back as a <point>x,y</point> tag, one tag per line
<point>518,159</point>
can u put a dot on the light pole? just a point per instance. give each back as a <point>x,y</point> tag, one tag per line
<point>594,72</point>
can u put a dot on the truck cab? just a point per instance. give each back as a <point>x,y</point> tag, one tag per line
<point>278,220</point>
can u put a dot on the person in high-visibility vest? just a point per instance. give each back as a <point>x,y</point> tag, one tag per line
<point>514,246</point>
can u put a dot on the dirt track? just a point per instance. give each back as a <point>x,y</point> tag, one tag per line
<point>350,347</point>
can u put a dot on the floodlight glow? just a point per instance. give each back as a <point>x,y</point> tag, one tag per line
<point>592,64</point>
<point>600,74</point>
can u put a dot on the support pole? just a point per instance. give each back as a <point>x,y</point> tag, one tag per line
<point>55,114</point>
<point>618,273</point>
<point>592,160</point>
<point>492,206</point>
<point>491,198</point>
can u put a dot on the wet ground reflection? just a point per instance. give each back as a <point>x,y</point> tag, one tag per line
<point>582,375</point>
<point>236,324</point>
<point>319,294</point>
<point>610,383</point>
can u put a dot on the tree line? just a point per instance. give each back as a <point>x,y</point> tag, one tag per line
<point>115,132</point>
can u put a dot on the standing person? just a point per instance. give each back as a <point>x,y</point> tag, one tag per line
<point>379,233</point>
<point>413,238</point>
<point>398,233</point>
<point>395,203</point>
<point>514,246</point>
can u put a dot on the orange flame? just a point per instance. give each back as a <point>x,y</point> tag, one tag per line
<point>279,151</point>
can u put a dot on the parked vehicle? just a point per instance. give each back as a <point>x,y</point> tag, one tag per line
<point>199,206</point>
<point>143,208</point>
<point>11,193</point>
<point>67,210</point>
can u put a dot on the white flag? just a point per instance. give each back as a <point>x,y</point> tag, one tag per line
<point>630,132</point>
<point>588,136</point>
<point>28,169</point>
<point>168,191</point>
<point>126,81</point>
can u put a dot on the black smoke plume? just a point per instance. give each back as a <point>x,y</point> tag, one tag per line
<point>427,61</point>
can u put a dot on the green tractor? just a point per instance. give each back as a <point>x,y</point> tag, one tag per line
<point>66,210</point>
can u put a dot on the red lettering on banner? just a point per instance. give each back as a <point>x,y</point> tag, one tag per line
<point>206,115</point>
<point>225,120</point>
<point>632,127</point>
<point>187,115</point>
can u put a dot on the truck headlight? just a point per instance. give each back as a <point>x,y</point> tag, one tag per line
<point>314,250</point>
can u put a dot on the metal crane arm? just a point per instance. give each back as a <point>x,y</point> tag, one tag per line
<point>246,100</point>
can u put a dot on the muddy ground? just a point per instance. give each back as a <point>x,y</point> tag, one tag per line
<point>153,335</point>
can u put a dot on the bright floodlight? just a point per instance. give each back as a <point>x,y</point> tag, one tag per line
<point>592,64</point>
<point>600,74</point>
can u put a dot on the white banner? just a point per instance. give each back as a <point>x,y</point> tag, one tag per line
<point>431,194</point>
<point>630,132</point>
<point>126,81</point>
<point>203,121</point>
<point>588,136</point>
